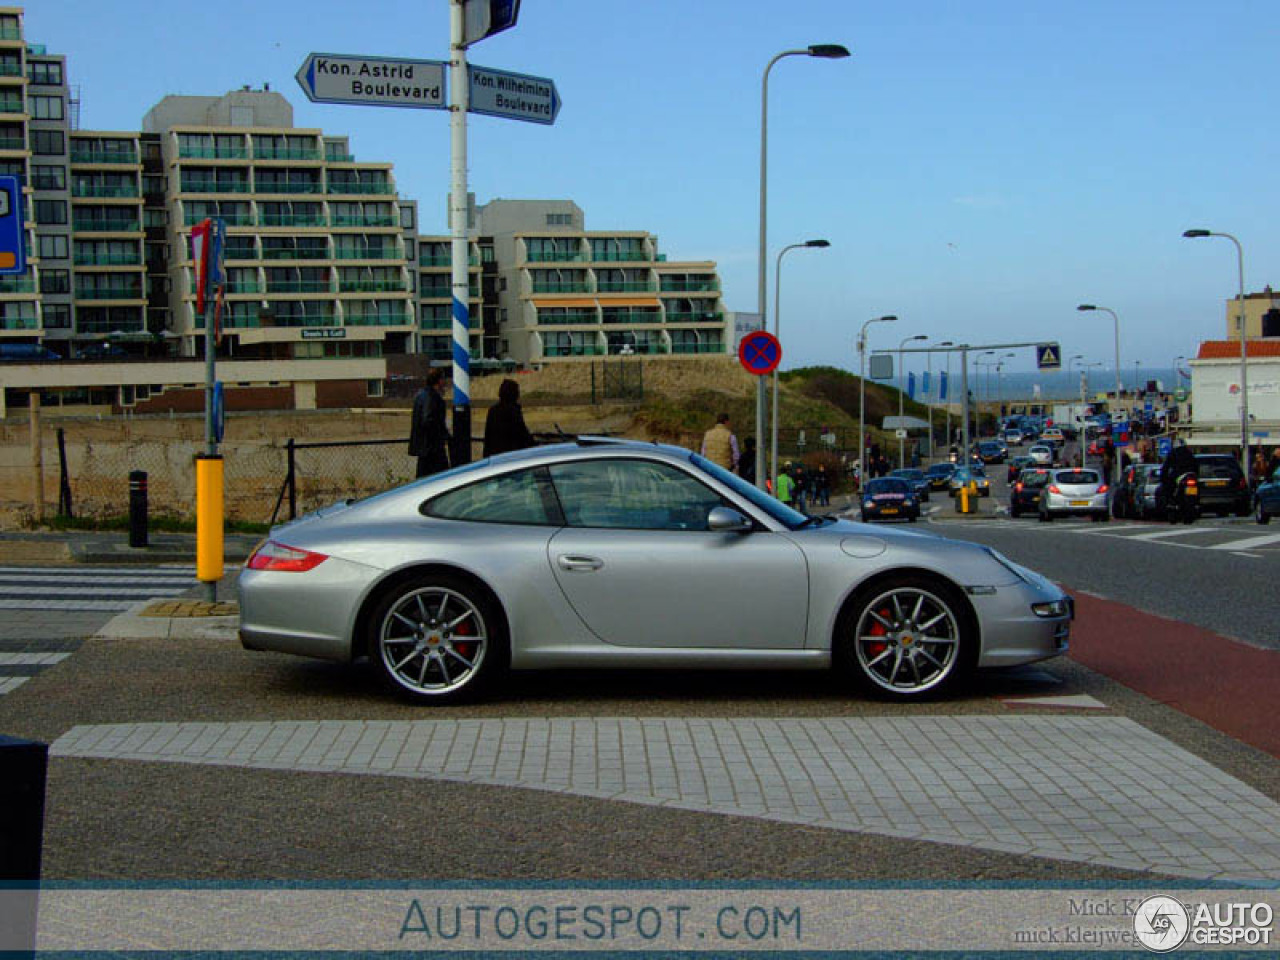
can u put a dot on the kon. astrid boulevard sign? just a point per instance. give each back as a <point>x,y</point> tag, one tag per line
<point>373,81</point>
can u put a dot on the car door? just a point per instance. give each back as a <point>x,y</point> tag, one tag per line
<point>639,566</point>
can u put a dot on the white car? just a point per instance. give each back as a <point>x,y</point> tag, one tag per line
<point>1041,455</point>
<point>1054,434</point>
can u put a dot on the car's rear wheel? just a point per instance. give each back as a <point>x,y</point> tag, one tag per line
<point>906,638</point>
<point>438,639</point>
<point>1261,514</point>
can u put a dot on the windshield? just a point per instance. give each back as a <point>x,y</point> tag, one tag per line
<point>774,508</point>
<point>938,468</point>
<point>886,485</point>
<point>908,474</point>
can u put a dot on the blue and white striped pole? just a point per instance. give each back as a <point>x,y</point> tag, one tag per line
<point>460,278</point>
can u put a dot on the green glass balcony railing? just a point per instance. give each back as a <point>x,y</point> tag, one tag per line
<point>12,143</point>
<point>339,157</point>
<point>299,286</point>
<point>89,258</point>
<point>365,220</point>
<point>557,256</point>
<point>632,316</point>
<point>191,218</point>
<point>96,225</point>
<point>11,105</point>
<point>17,285</point>
<point>372,286</point>
<point>573,350</point>
<point>213,153</point>
<point>248,321</point>
<point>19,323</point>
<point>347,253</point>
<point>104,190</point>
<point>10,33</point>
<point>547,286</point>
<point>285,153</point>
<point>689,286</point>
<point>626,286</point>
<point>291,219</point>
<point>289,187</point>
<point>647,348</point>
<point>444,261</point>
<point>109,293</point>
<point>620,256</point>
<point>384,319</point>
<point>327,319</point>
<point>10,69</point>
<point>305,253</point>
<point>103,156</point>
<point>243,286</point>
<point>697,348</point>
<point>445,293</point>
<point>694,317</point>
<point>381,186</point>
<point>564,319</point>
<point>213,186</point>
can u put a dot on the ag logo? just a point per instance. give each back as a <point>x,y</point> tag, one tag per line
<point>1161,924</point>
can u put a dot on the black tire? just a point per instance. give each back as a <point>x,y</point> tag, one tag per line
<point>1014,511</point>
<point>1261,514</point>
<point>1243,510</point>
<point>479,636</point>
<point>1045,516</point>
<point>850,661</point>
<point>1104,517</point>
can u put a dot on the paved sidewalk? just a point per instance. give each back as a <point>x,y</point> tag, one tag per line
<point>111,547</point>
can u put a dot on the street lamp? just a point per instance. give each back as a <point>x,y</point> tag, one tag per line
<point>823,51</point>
<point>902,445</point>
<point>1244,365</point>
<point>1137,378</point>
<point>1116,320</point>
<point>862,400</point>
<point>999,388</point>
<point>777,332</point>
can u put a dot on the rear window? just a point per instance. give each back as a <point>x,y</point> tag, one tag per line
<point>1036,478</point>
<point>1078,477</point>
<point>1223,467</point>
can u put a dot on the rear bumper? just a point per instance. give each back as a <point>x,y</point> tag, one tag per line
<point>1058,503</point>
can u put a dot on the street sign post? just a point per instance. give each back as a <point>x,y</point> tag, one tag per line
<point>513,96</point>
<point>372,81</point>
<point>760,353</point>
<point>13,254</point>
<point>1048,356</point>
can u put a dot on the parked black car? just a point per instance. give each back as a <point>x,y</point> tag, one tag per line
<point>889,498</point>
<point>939,474</point>
<point>1024,495</point>
<point>916,480</point>
<point>1017,465</point>
<point>1223,487</point>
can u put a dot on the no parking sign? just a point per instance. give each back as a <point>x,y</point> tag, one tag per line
<point>760,352</point>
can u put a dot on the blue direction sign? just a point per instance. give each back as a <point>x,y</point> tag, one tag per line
<point>515,96</point>
<point>1164,445</point>
<point>1048,356</point>
<point>760,352</point>
<point>372,81</point>
<point>13,253</point>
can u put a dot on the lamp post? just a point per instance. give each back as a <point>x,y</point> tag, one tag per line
<point>777,332</point>
<point>825,51</point>
<point>933,390</point>
<point>1116,320</point>
<point>862,399</point>
<point>999,388</point>
<point>902,441</point>
<point>1244,364</point>
<point>1137,377</point>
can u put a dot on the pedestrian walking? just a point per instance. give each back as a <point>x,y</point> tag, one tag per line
<point>800,493</point>
<point>786,485</point>
<point>822,486</point>
<point>719,445</point>
<point>428,432</point>
<point>504,427</point>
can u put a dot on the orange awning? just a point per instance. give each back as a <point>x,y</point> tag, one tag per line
<point>630,302</point>
<point>561,302</point>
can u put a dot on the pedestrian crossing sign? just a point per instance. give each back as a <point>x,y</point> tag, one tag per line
<point>1048,356</point>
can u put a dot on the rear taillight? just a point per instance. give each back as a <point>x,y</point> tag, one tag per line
<point>1018,487</point>
<point>1053,488</point>
<point>1103,488</point>
<point>1241,483</point>
<point>1192,482</point>
<point>278,557</point>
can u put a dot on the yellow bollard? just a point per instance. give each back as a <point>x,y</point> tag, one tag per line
<point>209,518</point>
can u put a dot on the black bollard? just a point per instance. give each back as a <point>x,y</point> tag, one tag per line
<point>137,508</point>
<point>23,767</point>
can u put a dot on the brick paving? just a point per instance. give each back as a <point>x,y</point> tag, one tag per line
<point>1091,789</point>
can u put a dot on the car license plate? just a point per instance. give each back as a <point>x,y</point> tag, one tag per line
<point>1079,503</point>
<point>888,509</point>
<point>1215,483</point>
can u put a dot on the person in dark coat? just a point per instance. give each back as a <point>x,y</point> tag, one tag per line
<point>428,432</point>
<point>504,427</point>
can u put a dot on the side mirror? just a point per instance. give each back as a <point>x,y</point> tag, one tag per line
<point>724,520</point>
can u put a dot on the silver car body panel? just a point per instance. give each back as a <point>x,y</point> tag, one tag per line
<point>588,597</point>
<point>1074,497</point>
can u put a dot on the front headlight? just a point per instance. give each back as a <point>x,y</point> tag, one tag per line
<point>1057,608</point>
<point>868,504</point>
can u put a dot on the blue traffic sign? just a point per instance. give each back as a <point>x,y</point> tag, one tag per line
<point>760,352</point>
<point>13,253</point>
<point>1048,356</point>
<point>1164,446</point>
<point>514,96</point>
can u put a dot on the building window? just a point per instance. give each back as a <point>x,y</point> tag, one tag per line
<point>55,281</point>
<point>559,219</point>
<point>49,178</point>
<point>57,316</point>
<point>51,211</point>
<point>54,247</point>
<point>45,108</point>
<point>373,388</point>
<point>154,217</point>
<point>406,218</point>
<point>47,73</point>
<point>48,143</point>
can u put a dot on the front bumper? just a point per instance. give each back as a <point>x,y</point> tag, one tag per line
<point>1012,633</point>
<point>898,510</point>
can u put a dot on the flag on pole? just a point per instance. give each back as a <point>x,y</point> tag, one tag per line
<point>911,384</point>
<point>942,385</point>
<point>200,235</point>
<point>925,383</point>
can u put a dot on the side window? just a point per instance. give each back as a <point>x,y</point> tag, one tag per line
<point>632,495</point>
<point>524,498</point>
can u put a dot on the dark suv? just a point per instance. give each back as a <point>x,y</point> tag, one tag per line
<point>1223,487</point>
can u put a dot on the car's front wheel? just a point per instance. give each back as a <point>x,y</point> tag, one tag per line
<point>906,638</point>
<point>438,639</point>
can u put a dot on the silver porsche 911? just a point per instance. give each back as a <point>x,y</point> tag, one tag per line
<point>602,553</point>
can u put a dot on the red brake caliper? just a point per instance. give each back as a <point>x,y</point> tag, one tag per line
<point>875,648</point>
<point>465,648</point>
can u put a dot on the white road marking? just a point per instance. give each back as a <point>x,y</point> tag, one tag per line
<point>31,659</point>
<point>10,684</point>
<point>1249,543</point>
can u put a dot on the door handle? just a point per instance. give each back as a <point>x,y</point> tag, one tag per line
<point>577,562</point>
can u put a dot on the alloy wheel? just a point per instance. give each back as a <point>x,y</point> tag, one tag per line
<point>907,641</point>
<point>433,641</point>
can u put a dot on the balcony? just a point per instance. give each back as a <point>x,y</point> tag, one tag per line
<point>631,316</point>
<point>646,348</point>
<point>213,186</point>
<point>103,156</point>
<point>10,33</point>
<point>213,153</point>
<point>547,286</point>
<point>339,157</point>
<point>626,286</point>
<point>241,286</point>
<point>10,69</point>
<point>396,318</point>
<point>104,190</point>
<point>372,286</point>
<point>346,253</point>
<point>573,350</point>
<point>556,256</point>
<point>109,293</point>
<point>291,219</point>
<point>17,285</point>
<point>289,187</point>
<point>620,256</point>
<point>367,220</point>
<point>446,293</point>
<point>695,317</point>
<point>247,321</point>
<point>326,319</point>
<point>361,188</point>
<point>19,323</point>
<point>299,286</point>
<point>303,253</point>
<point>564,319</point>
<point>293,153</point>
<point>697,348</point>
<point>96,225</point>
<point>13,143</point>
<point>190,218</point>
<point>91,259</point>
<point>11,105</point>
<point>444,261</point>
<point>692,285</point>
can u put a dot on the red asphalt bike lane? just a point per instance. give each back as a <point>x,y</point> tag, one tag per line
<point>1227,684</point>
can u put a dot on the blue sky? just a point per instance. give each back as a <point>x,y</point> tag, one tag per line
<point>979,168</point>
